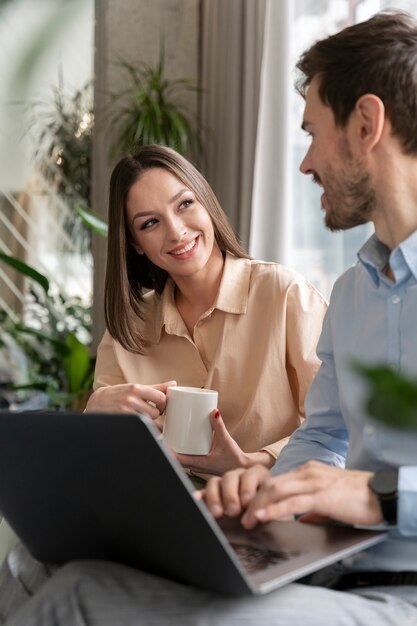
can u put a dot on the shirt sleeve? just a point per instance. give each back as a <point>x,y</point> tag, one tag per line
<point>107,370</point>
<point>407,501</point>
<point>323,436</point>
<point>305,310</point>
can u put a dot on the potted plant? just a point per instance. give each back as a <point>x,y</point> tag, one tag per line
<point>149,111</point>
<point>51,340</point>
<point>62,130</point>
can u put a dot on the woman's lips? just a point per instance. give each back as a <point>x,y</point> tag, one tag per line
<point>184,249</point>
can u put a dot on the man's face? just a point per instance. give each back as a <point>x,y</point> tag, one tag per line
<point>348,199</point>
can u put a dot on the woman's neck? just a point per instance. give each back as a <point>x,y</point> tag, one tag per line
<point>194,295</point>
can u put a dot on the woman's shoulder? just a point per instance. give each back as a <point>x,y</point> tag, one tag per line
<point>281,278</point>
<point>276,271</point>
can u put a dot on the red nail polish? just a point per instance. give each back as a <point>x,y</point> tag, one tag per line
<point>217,413</point>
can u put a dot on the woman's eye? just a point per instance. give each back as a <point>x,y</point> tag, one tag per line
<point>148,224</point>
<point>186,203</point>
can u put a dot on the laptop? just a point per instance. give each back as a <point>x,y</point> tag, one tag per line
<point>103,486</point>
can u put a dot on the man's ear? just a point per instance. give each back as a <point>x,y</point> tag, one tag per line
<point>369,121</point>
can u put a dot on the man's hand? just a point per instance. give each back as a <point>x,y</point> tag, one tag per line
<point>232,493</point>
<point>313,489</point>
<point>225,453</point>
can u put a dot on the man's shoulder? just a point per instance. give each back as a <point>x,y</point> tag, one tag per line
<point>349,278</point>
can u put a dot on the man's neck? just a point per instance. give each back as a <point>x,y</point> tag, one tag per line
<point>394,179</point>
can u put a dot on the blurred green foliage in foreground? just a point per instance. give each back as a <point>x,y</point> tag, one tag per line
<point>392,396</point>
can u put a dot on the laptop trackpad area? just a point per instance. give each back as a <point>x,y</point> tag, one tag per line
<point>277,553</point>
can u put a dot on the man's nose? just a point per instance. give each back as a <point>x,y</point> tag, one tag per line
<point>305,165</point>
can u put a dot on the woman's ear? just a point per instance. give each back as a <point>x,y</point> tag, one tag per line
<point>369,121</point>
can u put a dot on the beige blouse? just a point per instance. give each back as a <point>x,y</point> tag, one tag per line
<point>256,346</point>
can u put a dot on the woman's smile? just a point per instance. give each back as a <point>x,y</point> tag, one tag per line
<point>185,251</point>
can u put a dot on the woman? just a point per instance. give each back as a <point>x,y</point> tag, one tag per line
<point>213,318</point>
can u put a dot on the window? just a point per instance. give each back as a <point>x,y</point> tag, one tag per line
<point>315,252</point>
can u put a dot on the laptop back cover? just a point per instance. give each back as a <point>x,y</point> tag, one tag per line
<point>101,486</point>
<point>98,486</point>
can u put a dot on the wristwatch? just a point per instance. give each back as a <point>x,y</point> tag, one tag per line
<point>384,484</point>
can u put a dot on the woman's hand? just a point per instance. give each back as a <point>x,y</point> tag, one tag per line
<point>130,398</point>
<point>225,454</point>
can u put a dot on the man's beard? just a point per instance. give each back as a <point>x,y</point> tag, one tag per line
<point>350,197</point>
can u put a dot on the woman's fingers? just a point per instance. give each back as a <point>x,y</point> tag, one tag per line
<point>131,397</point>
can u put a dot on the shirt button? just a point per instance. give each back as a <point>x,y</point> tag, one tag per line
<point>369,430</point>
<point>396,299</point>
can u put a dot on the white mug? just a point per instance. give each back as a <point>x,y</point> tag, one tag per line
<point>187,426</point>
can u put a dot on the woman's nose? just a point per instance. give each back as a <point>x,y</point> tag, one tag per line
<point>175,228</point>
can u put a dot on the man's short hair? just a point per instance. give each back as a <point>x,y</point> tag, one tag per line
<point>378,56</point>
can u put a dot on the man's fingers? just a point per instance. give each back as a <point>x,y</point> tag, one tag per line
<point>250,482</point>
<point>282,510</point>
<point>222,494</point>
<point>213,498</point>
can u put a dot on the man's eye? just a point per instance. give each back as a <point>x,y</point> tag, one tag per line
<point>148,224</point>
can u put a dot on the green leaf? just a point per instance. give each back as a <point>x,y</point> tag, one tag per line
<point>392,398</point>
<point>78,364</point>
<point>60,346</point>
<point>92,220</point>
<point>26,270</point>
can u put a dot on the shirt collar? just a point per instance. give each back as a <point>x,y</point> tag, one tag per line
<point>374,255</point>
<point>234,286</point>
<point>232,297</point>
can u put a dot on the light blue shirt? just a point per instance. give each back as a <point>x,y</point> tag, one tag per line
<point>371,320</point>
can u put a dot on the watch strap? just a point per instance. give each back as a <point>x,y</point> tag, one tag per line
<point>384,484</point>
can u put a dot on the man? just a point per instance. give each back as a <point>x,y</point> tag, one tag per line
<point>360,88</point>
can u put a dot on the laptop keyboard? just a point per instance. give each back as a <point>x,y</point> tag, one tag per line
<point>258,558</point>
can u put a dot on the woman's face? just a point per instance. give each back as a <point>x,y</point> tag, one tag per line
<point>169,225</point>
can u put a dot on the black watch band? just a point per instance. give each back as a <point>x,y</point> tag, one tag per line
<point>384,484</point>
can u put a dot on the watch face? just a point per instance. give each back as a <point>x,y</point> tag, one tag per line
<point>384,482</point>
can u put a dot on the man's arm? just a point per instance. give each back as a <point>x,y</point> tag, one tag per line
<point>323,435</point>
